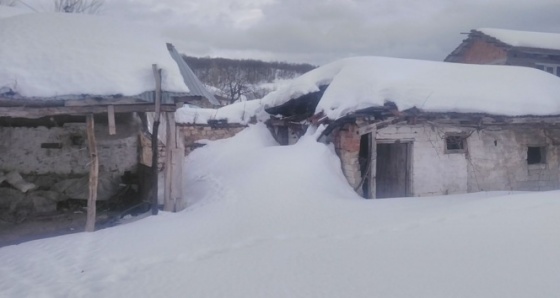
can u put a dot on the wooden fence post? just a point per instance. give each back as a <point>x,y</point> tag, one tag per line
<point>93,174</point>
<point>155,128</point>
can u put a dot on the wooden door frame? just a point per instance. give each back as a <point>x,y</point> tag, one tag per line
<point>409,151</point>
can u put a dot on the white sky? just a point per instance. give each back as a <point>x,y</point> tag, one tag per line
<point>319,31</point>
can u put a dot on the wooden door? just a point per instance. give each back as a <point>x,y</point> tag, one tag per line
<point>393,170</point>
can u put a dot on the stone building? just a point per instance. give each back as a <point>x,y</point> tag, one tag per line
<point>417,128</point>
<point>73,121</point>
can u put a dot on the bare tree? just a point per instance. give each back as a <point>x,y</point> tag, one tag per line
<point>8,2</point>
<point>78,6</point>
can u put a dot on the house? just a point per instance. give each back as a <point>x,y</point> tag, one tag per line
<point>76,96</point>
<point>508,47</point>
<point>417,128</point>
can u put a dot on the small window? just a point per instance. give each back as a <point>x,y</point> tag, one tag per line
<point>455,143</point>
<point>536,155</point>
<point>550,68</point>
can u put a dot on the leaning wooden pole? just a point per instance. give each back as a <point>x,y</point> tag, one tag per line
<point>155,128</point>
<point>93,174</point>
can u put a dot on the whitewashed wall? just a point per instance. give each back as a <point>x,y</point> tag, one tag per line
<point>496,158</point>
<point>433,171</point>
<point>20,149</point>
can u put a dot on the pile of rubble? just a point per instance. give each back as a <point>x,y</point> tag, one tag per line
<point>24,196</point>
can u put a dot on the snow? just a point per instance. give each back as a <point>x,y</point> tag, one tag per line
<point>281,221</point>
<point>540,40</point>
<point>239,113</point>
<point>48,54</point>
<point>8,11</point>
<point>361,82</point>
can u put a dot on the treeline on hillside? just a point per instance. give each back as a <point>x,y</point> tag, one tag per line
<point>236,79</point>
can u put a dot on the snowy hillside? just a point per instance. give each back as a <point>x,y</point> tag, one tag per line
<point>281,221</point>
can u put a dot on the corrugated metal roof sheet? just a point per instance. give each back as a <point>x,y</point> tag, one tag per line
<point>193,83</point>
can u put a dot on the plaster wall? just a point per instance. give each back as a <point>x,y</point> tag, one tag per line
<point>496,158</point>
<point>499,159</point>
<point>433,171</point>
<point>21,149</point>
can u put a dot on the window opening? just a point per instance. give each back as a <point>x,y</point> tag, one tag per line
<point>536,155</point>
<point>455,144</point>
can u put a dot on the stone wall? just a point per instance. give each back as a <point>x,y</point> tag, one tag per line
<point>195,132</point>
<point>63,150</point>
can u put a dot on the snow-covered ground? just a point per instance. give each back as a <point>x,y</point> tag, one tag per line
<point>280,221</point>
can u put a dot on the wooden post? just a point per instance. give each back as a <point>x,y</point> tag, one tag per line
<point>170,142</point>
<point>111,117</point>
<point>175,152</point>
<point>155,128</point>
<point>93,174</point>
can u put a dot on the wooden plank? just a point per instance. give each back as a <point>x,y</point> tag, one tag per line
<point>93,174</point>
<point>170,146</point>
<point>30,102</point>
<point>373,165</point>
<point>367,128</point>
<point>111,117</point>
<point>155,129</point>
<point>178,161</point>
<point>104,101</point>
<point>34,112</point>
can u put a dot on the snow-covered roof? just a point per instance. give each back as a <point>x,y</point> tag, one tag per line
<point>528,39</point>
<point>237,113</point>
<point>49,55</point>
<point>362,82</point>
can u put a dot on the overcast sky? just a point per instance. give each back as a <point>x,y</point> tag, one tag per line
<point>319,31</point>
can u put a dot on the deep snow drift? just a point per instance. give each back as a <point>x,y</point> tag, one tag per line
<point>362,82</point>
<point>271,221</point>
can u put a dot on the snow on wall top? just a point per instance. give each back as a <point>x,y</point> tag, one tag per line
<point>48,54</point>
<point>239,113</point>
<point>528,39</point>
<point>362,82</point>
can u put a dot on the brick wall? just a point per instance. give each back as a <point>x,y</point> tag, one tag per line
<point>347,144</point>
<point>482,52</point>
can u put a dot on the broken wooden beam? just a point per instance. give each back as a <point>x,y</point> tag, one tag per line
<point>38,112</point>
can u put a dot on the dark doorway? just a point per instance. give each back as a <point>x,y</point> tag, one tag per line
<point>393,170</point>
<point>365,157</point>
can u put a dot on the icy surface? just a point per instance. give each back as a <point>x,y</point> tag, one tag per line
<point>239,112</point>
<point>528,39</point>
<point>281,221</point>
<point>48,54</point>
<point>361,82</point>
